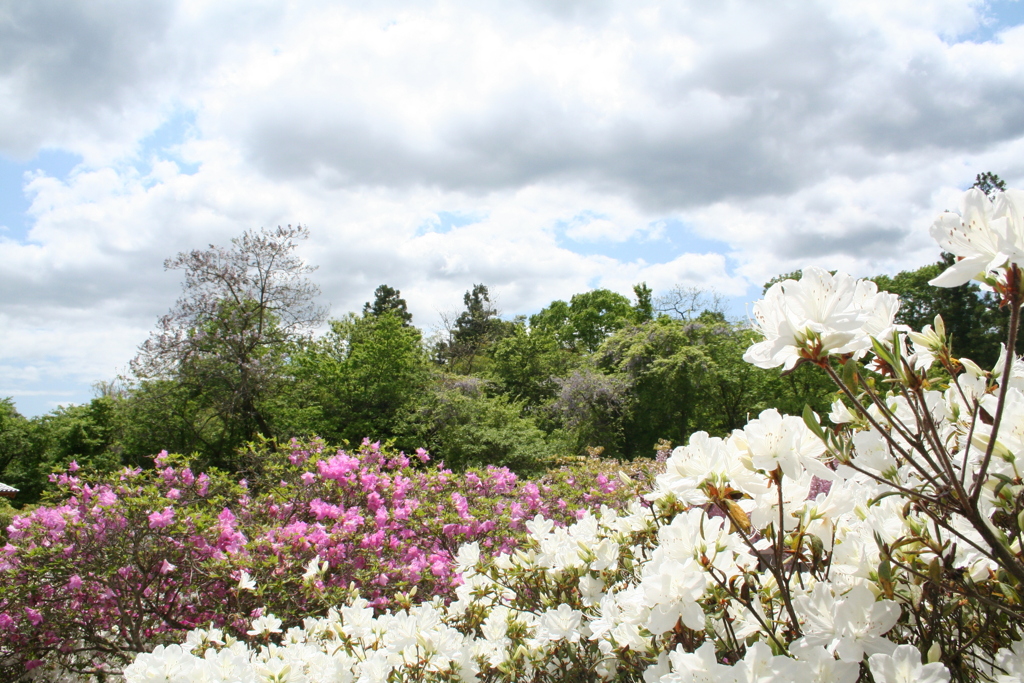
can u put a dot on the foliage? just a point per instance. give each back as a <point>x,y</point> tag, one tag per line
<point>362,379</point>
<point>468,428</point>
<point>589,317</point>
<point>225,339</point>
<point>666,378</point>
<point>31,449</point>
<point>592,406</point>
<point>970,315</point>
<point>472,332</point>
<point>525,362</point>
<point>388,300</point>
<point>20,457</point>
<point>989,183</point>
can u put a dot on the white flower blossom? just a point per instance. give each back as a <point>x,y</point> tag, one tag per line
<point>904,666</point>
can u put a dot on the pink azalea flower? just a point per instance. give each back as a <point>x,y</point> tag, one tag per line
<point>159,520</point>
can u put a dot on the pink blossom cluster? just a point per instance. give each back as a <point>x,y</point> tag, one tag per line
<point>128,561</point>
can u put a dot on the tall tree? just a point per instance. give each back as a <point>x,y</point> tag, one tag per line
<point>21,462</point>
<point>388,300</point>
<point>525,362</point>
<point>687,303</point>
<point>589,317</point>
<point>358,381</point>
<point>224,341</point>
<point>475,329</point>
<point>643,310</point>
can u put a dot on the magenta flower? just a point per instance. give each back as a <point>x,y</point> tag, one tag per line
<point>159,520</point>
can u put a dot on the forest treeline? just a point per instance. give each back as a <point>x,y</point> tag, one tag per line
<point>236,361</point>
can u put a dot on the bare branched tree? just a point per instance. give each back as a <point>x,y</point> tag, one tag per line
<point>239,309</point>
<point>687,303</point>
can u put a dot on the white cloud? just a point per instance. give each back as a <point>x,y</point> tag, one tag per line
<point>567,138</point>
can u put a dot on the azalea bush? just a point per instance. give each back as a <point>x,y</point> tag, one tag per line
<point>124,562</point>
<point>883,542</point>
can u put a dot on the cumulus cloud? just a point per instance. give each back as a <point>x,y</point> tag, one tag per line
<point>542,148</point>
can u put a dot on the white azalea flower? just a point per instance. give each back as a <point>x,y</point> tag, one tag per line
<point>773,441</point>
<point>314,568</point>
<point>467,558</point>
<point>904,666</point>
<point>973,237</point>
<point>817,315</point>
<point>851,626</point>
<point>562,623</point>
<point>246,582</point>
<point>698,666</point>
<point>759,665</point>
<point>1010,661</point>
<point>265,625</point>
<point>840,414</point>
<point>165,664</point>
<point>824,666</point>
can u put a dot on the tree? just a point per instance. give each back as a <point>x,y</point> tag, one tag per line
<point>388,300</point>
<point>359,380</point>
<point>21,459</point>
<point>643,310</point>
<point>589,317</point>
<point>525,362</point>
<point>989,183</point>
<point>225,340</point>
<point>592,406</point>
<point>474,330</point>
<point>462,426</point>
<point>686,303</point>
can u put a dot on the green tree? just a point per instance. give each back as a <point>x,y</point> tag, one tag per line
<point>525,363</point>
<point>463,426</point>
<point>643,309</point>
<point>218,355</point>
<point>360,380</point>
<point>181,417</point>
<point>30,450</point>
<point>989,183</point>
<point>472,333</point>
<point>388,300</point>
<point>592,407</point>
<point>670,377</point>
<point>589,317</point>
<point>21,457</point>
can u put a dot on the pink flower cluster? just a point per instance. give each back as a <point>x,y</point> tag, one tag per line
<point>126,562</point>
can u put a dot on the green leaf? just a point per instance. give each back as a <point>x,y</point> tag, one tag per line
<point>896,352</point>
<point>811,420</point>
<point>885,571</point>
<point>851,372</point>
<point>883,352</point>
<point>1011,594</point>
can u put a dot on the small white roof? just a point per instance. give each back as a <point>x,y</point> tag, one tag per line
<point>4,488</point>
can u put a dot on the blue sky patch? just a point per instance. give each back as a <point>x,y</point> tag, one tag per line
<point>14,203</point>
<point>998,15</point>
<point>675,238</point>
<point>163,143</point>
<point>446,220</point>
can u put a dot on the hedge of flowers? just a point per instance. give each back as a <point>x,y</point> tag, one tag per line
<point>883,544</point>
<point>128,562</point>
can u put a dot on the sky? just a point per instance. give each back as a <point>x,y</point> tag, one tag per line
<point>541,147</point>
